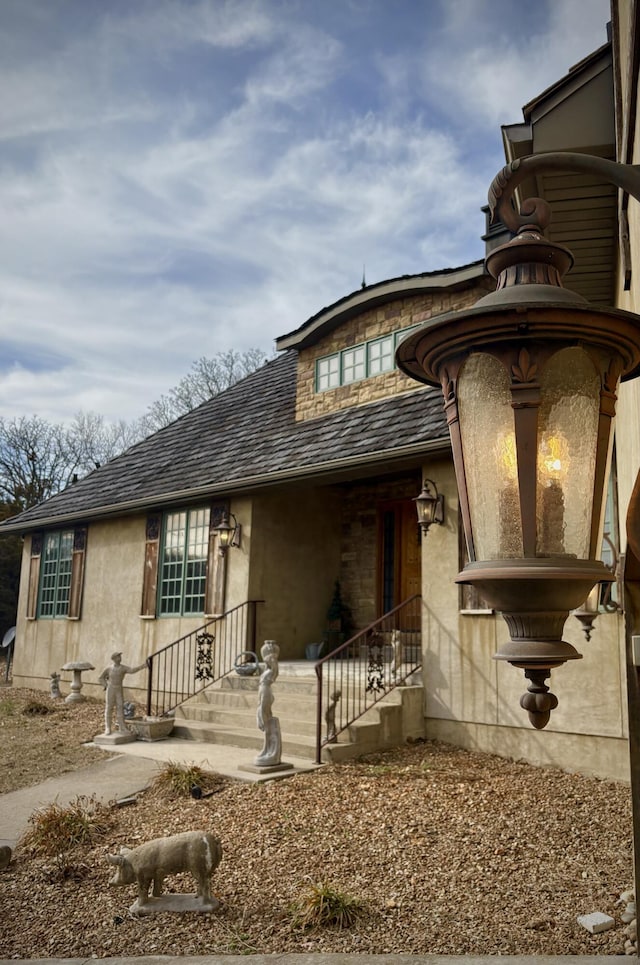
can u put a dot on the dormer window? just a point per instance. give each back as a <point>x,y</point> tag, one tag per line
<point>353,367</point>
<point>373,357</point>
<point>380,355</point>
<point>328,372</point>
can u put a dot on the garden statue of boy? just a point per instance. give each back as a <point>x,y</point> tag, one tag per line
<point>112,679</point>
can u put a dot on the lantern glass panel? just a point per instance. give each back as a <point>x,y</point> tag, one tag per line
<point>488,442</point>
<point>567,439</point>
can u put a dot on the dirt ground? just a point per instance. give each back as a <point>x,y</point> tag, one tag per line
<point>447,852</point>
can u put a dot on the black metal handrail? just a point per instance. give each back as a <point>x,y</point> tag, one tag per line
<point>200,658</point>
<point>363,670</point>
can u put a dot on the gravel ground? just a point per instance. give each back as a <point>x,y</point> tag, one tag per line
<point>448,851</point>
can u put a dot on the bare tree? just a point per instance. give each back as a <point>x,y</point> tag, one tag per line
<point>90,440</point>
<point>33,460</point>
<point>39,458</point>
<point>208,377</point>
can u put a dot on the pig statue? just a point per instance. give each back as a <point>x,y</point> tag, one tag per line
<point>195,851</point>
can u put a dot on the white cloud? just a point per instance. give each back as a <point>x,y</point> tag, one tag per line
<point>178,178</point>
<point>502,64</point>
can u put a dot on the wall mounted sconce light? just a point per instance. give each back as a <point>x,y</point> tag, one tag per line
<point>429,506</point>
<point>588,612</point>
<point>601,596</point>
<point>228,533</point>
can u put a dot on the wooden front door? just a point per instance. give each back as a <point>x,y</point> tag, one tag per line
<point>399,554</point>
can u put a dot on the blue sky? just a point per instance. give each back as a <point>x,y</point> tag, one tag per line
<point>181,177</point>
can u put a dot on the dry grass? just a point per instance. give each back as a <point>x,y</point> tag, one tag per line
<point>181,779</point>
<point>323,906</point>
<point>41,737</point>
<point>56,829</point>
<point>439,850</point>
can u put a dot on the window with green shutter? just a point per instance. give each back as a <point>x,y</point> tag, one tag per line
<point>183,562</point>
<point>55,574</point>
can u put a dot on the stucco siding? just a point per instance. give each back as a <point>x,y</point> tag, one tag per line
<point>111,620</point>
<point>295,560</point>
<point>474,700</point>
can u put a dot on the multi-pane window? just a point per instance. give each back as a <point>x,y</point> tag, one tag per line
<point>400,336</point>
<point>183,567</point>
<point>328,372</point>
<point>352,364</point>
<point>380,355</point>
<point>55,574</point>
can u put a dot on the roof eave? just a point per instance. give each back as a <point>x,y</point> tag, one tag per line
<point>319,471</point>
<point>372,296</point>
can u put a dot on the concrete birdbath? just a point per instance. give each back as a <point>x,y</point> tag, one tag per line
<point>76,667</point>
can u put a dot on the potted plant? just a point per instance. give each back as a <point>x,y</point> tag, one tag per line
<point>339,621</point>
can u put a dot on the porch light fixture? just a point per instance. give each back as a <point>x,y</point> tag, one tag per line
<point>588,612</point>
<point>228,535</point>
<point>529,378</point>
<point>600,597</point>
<point>429,506</point>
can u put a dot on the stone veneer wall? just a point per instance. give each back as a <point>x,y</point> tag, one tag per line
<point>358,561</point>
<point>371,324</point>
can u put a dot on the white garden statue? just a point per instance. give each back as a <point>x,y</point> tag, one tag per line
<point>112,679</point>
<point>271,752</point>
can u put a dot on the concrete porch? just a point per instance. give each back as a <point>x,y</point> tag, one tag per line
<point>225,714</point>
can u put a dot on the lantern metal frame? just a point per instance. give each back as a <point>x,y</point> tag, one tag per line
<point>429,506</point>
<point>228,535</point>
<point>523,324</point>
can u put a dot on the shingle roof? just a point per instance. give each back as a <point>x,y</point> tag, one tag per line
<point>243,438</point>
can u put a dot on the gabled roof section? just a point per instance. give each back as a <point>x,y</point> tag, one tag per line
<point>328,319</point>
<point>243,439</point>
<point>575,114</point>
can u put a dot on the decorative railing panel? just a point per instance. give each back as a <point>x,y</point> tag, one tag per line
<point>188,665</point>
<point>364,669</point>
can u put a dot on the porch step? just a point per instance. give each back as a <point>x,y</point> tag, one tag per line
<point>301,706</point>
<point>199,730</point>
<point>226,714</point>
<point>244,718</point>
<point>286,684</point>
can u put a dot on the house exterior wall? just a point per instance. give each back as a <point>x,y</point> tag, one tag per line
<point>472,700</point>
<point>627,422</point>
<point>295,560</point>
<point>111,607</point>
<point>395,315</point>
<point>110,618</point>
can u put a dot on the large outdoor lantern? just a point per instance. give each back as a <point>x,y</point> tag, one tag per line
<point>529,378</point>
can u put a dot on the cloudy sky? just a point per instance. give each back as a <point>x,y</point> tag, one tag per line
<point>181,177</point>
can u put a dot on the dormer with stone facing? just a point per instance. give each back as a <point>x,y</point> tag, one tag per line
<point>346,353</point>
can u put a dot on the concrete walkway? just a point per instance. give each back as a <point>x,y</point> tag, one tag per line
<point>126,769</point>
